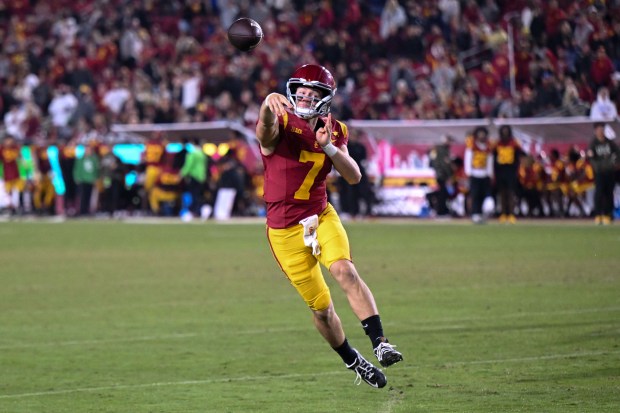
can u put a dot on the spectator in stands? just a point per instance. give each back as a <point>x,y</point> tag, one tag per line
<point>488,85</point>
<point>527,105</point>
<point>86,106</point>
<point>443,79</point>
<point>15,119</point>
<point>78,74</point>
<point>61,109</point>
<point>115,98</point>
<point>603,109</point>
<point>601,68</point>
<point>146,45</point>
<point>614,44</point>
<point>548,95</point>
<point>190,89</point>
<point>604,155</point>
<point>583,29</point>
<point>393,17</point>
<point>572,104</point>
<point>507,106</point>
<point>411,44</point>
<point>554,15</point>
<point>132,43</point>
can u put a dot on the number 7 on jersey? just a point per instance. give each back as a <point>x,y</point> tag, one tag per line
<point>317,159</point>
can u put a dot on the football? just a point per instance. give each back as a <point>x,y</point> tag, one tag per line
<point>245,34</point>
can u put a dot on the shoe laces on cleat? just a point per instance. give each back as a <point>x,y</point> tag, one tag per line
<point>367,372</point>
<point>387,354</point>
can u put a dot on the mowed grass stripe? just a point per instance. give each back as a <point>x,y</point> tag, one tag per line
<point>419,326</point>
<point>291,376</point>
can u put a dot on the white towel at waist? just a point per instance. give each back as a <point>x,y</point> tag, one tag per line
<point>310,225</point>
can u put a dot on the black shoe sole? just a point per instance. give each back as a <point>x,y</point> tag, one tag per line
<point>391,360</point>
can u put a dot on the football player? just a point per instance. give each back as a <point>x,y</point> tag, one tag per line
<point>153,160</point>
<point>14,184</point>
<point>507,154</point>
<point>299,143</point>
<point>479,169</point>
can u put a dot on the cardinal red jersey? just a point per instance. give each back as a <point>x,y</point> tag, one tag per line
<point>9,156</point>
<point>480,152</point>
<point>557,172</point>
<point>169,179</point>
<point>43,160</point>
<point>507,154</point>
<point>296,172</point>
<point>580,172</point>
<point>154,153</point>
<point>528,177</point>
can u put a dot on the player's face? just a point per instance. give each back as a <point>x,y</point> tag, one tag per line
<point>306,95</point>
<point>599,132</point>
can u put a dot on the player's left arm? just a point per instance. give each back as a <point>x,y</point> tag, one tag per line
<point>344,164</point>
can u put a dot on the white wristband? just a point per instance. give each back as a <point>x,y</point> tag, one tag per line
<point>330,150</point>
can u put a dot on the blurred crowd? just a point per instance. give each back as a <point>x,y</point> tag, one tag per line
<point>70,69</point>
<point>73,67</point>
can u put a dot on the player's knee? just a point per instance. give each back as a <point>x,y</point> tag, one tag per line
<point>323,316</point>
<point>321,301</point>
<point>344,272</point>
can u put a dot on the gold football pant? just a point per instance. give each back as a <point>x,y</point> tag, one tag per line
<point>300,266</point>
<point>43,193</point>
<point>158,195</point>
<point>14,185</point>
<point>151,174</point>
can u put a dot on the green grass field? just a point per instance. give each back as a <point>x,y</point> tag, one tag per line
<point>137,318</point>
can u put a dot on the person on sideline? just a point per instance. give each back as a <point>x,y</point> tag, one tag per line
<point>479,169</point>
<point>194,171</point>
<point>299,143</point>
<point>14,185</point>
<point>86,172</point>
<point>507,154</point>
<point>441,162</point>
<point>604,155</point>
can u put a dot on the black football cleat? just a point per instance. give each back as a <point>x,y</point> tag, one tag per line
<point>367,372</point>
<point>387,354</point>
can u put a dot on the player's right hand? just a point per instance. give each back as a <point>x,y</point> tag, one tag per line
<point>277,103</point>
